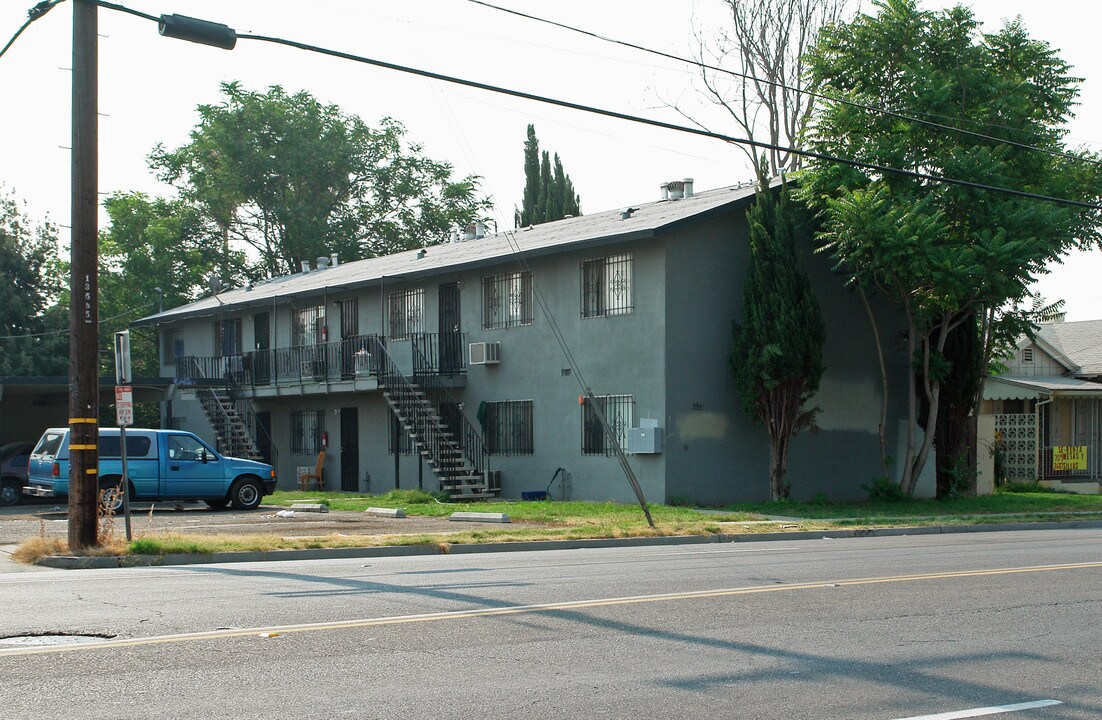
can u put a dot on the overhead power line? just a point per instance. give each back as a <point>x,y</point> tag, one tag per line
<point>634,118</point>
<point>789,88</point>
<point>33,14</point>
<point>664,125</point>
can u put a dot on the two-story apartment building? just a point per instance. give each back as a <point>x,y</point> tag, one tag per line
<point>468,365</point>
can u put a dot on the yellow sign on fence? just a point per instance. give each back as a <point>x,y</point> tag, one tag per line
<point>1069,457</point>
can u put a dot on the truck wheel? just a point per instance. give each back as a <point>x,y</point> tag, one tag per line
<point>11,492</point>
<point>111,495</point>
<point>217,504</point>
<point>246,494</point>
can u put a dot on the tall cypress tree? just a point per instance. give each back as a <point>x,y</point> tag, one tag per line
<point>547,181</point>
<point>531,179</point>
<point>548,191</point>
<point>558,187</point>
<point>777,359</point>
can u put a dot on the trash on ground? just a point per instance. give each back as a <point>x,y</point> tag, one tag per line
<point>285,514</point>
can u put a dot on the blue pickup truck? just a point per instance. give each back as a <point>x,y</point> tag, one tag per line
<point>161,465</point>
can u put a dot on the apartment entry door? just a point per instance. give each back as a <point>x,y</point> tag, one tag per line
<point>262,356</point>
<point>451,336</point>
<point>350,449</point>
<point>350,330</point>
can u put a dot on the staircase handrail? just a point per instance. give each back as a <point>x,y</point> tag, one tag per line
<point>470,439</point>
<point>411,406</point>
<point>244,408</point>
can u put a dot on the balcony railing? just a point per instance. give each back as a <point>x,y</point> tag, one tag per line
<point>439,354</point>
<point>352,358</point>
<point>345,359</point>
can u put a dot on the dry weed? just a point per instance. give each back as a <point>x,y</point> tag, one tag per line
<point>31,551</point>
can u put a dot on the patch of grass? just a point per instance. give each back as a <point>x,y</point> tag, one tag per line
<point>34,549</point>
<point>537,511</point>
<point>1009,501</point>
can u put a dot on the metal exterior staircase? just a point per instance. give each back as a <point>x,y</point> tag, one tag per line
<point>452,448</point>
<point>231,430</point>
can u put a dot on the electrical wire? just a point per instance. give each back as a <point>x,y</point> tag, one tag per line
<point>666,125</point>
<point>65,331</point>
<point>307,47</point>
<point>789,88</point>
<point>33,14</point>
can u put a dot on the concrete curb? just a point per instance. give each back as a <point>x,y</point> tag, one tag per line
<point>113,561</point>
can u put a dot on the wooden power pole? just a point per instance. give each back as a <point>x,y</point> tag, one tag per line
<point>84,284</point>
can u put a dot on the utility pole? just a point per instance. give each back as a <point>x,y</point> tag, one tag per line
<point>84,284</point>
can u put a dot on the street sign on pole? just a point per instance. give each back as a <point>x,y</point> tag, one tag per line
<point>124,405</point>
<point>124,415</point>
<point>122,357</point>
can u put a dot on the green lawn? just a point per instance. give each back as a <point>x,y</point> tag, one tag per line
<point>1022,500</point>
<point>557,520</point>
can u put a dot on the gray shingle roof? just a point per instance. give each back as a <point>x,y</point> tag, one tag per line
<point>1006,387</point>
<point>648,220</point>
<point>1080,341</point>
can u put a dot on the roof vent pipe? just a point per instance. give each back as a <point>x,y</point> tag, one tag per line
<point>665,191</point>
<point>479,230</point>
<point>677,189</point>
<point>305,266</point>
<point>470,232</point>
<point>332,259</point>
<point>688,187</point>
<point>322,262</point>
<point>627,213</point>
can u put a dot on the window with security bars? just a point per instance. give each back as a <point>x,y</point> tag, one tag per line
<point>506,300</point>
<point>398,436</point>
<point>406,315</point>
<point>607,286</point>
<point>507,427</point>
<point>619,413</point>
<point>308,325</point>
<point>307,427</point>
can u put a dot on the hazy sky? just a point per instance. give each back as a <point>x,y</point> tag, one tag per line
<point>150,86</point>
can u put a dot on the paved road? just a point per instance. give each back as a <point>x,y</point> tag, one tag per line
<point>879,628</point>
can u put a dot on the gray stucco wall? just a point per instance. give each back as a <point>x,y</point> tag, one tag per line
<point>714,452</point>
<point>615,355</point>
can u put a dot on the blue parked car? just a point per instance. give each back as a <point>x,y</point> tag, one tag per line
<point>161,465</point>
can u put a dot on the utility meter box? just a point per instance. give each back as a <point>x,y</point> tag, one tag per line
<point>646,439</point>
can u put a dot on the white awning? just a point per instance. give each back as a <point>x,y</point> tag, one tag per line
<point>1037,388</point>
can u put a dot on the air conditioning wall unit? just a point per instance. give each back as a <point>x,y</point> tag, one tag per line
<point>485,353</point>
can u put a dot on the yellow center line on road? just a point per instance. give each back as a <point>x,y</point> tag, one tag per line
<point>276,630</point>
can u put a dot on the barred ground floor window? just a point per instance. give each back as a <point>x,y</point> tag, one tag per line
<point>307,428</point>
<point>619,413</point>
<point>507,427</point>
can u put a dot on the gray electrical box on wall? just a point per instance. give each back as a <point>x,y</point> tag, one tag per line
<point>646,439</point>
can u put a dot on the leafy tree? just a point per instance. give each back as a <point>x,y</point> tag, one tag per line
<point>944,253</point>
<point>296,179</point>
<point>777,359</point>
<point>33,335</point>
<point>548,191</point>
<point>154,252</point>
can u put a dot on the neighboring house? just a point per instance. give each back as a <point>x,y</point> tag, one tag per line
<point>448,367</point>
<point>1047,408</point>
